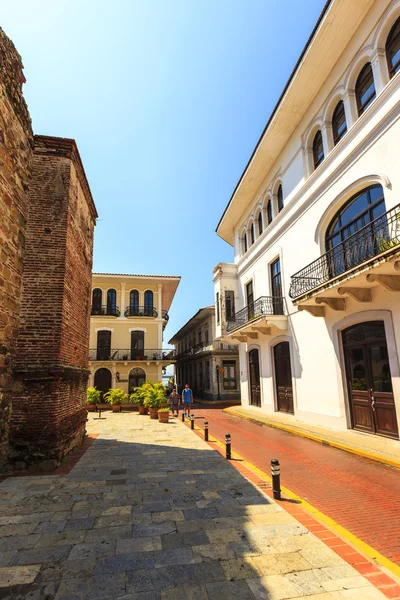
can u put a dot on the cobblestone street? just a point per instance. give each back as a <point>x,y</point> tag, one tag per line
<point>152,512</point>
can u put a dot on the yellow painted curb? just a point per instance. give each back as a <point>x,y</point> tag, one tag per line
<point>316,438</point>
<point>330,523</point>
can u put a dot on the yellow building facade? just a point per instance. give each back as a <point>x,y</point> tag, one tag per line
<point>128,316</point>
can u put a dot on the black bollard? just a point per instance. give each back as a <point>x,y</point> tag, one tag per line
<point>206,431</point>
<point>228,446</point>
<point>192,421</point>
<point>183,416</point>
<point>276,479</point>
<point>99,413</point>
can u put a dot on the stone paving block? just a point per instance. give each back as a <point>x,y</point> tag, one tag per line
<point>79,524</point>
<point>117,510</point>
<point>171,515</point>
<point>364,593</point>
<point>272,587</point>
<point>31,591</point>
<point>174,556</point>
<point>308,582</point>
<point>41,555</point>
<point>108,533</point>
<point>141,518</point>
<point>190,538</point>
<point>17,529</point>
<point>93,550</point>
<point>221,536</point>
<point>19,542</point>
<point>279,564</point>
<point>141,544</point>
<point>65,570</point>
<point>124,562</point>
<point>238,568</point>
<point>6,557</point>
<point>100,587</point>
<point>148,580</point>
<point>209,571</point>
<point>321,557</point>
<point>200,513</point>
<point>293,543</point>
<point>153,529</point>
<point>346,583</point>
<point>60,539</point>
<point>51,527</point>
<point>339,571</point>
<point>228,590</point>
<point>250,549</point>
<point>213,552</point>
<point>185,592</point>
<point>17,575</point>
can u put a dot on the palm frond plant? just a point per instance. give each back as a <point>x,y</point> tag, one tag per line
<point>154,397</point>
<point>137,397</point>
<point>115,397</point>
<point>93,396</point>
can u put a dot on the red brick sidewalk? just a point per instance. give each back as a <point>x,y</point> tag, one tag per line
<point>360,495</point>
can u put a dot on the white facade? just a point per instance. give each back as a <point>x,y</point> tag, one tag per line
<point>321,306</point>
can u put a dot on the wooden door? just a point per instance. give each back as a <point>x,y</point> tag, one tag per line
<point>103,345</point>
<point>254,370</point>
<point>369,379</point>
<point>283,378</point>
<point>137,378</point>
<point>137,345</point>
<point>103,380</point>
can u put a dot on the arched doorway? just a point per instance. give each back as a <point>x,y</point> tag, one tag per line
<point>254,371</point>
<point>369,381</point>
<point>283,378</point>
<point>137,377</point>
<point>103,380</point>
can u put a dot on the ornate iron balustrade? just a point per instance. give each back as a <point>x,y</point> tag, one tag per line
<point>141,311</point>
<point>380,235</point>
<point>105,311</point>
<point>262,307</point>
<point>131,354</point>
<point>144,311</point>
<point>206,347</point>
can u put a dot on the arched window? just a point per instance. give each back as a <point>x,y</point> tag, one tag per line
<point>280,198</point>
<point>244,243</point>
<point>318,149</point>
<point>348,237</point>
<point>137,378</point>
<point>365,89</point>
<point>393,49</point>
<point>112,302</point>
<point>269,212</point>
<point>97,296</point>
<point>252,235</point>
<point>148,303</point>
<point>260,223</point>
<point>134,302</point>
<point>339,125</point>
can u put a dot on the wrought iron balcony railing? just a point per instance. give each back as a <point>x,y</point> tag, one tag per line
<point>105,310</point>
<point>131,354</point>
<point>380,235</point>
<point>262,307</point>
<point>144,311</point>
<point>206,347</point>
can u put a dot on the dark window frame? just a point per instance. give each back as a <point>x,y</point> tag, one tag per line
<point>269,211</point>
<point>393,42</point>
<point>97,299</point>
<point>338,121</point>
<point>260,223</point>
<point>229,302</point>
<point>111,301</point>
<point>318,149</point>
<point>279,196</point>
<point>134,300</point>
<point>252,234</point>
<point>362,86</point>
<point>217,305</point>
<point>229,383</point>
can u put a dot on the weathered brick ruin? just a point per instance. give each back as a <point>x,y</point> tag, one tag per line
<point>47,218</point>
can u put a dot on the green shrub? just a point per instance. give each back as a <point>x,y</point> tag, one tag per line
<point>154,395</point>
<point>116,396</point>
<point>93,395</point>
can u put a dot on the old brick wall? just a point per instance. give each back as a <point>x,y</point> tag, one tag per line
<point>49,413</point>
<point>16,143</point>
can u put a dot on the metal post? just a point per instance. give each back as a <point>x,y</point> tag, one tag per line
<point>219,395</point>
<point>99,413</point>
<point>276,478</point>
<point>228,446</point>
<point>183,416</point>
<point>206,431</point>
<point>192,421</point>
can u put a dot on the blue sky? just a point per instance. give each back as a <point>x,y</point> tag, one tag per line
<point>166,100</point>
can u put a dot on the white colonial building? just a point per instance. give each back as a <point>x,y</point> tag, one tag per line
<point>315,226</point>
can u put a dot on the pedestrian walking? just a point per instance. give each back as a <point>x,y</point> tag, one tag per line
<point>187,399</point>
<point>174,400</point>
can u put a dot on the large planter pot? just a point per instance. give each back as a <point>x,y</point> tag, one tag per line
<point>163,417</point>
<point>142,410</point>
<point>92,407</point>
<point>116,408</point>
<point>153,413</point>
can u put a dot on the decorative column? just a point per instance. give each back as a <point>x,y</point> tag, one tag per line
<point>379,69</point>
<point>350,107</point>
<point>327,137</point>
<point>123,286</point>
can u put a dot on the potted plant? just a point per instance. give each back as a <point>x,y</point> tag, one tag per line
<point>92,398</point>
<point>116,397</point>
<point>137,397</point>
<point>154,398</point>
<point>163,415</point>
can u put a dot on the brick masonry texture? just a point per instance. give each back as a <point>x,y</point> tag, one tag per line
<point>16,144</point>
<point>46,244</point>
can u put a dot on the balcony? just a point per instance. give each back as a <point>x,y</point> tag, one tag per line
<point>105,311</point>
<point>127,354</point>
<point>257,317</point>
<point>206,347</point>
<point>367,247</point>
<point>144,311</point>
